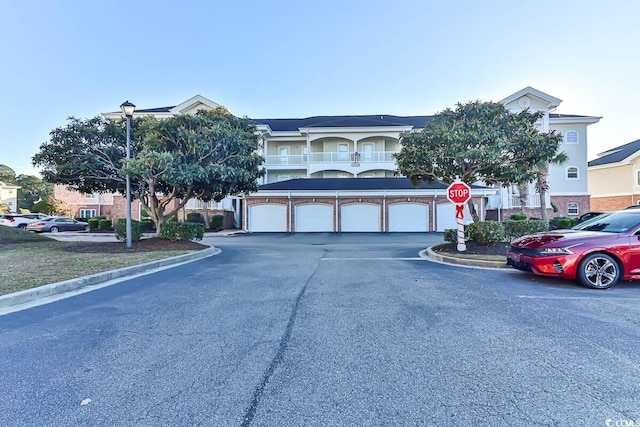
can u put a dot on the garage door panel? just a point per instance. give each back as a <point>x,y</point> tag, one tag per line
<point>360,218</point>
<point>268,218</point>
<point>408,217</point>
<point>447,216</point>
<point>314,218</point>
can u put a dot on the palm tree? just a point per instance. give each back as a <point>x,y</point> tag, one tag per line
<point>542,181</point>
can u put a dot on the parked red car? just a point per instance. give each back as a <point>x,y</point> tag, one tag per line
<point>597,256</point>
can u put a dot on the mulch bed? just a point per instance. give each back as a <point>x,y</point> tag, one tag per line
<point>144,245</point>
<point>474,248</point>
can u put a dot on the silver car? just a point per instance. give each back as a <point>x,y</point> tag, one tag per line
<point>55,224</point>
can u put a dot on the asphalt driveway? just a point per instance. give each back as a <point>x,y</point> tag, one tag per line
<point>323,329</point>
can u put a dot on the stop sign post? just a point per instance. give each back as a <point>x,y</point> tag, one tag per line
<point>459,193</point>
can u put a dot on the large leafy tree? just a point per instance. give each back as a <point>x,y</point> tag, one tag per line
<point>32,189</point>
<point>478,141</point>
<point>7,175</point>
<point>207,155</point>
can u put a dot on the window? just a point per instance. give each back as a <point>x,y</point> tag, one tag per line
<point>343,152</point>
<point>283,177</point>
<point>573,208</point>
<point>87,213</point>
<point>571,137</point>
<point>572,172</point>
<point>638,178</point>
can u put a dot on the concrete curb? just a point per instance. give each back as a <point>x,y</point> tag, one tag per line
<point>30,295</point>
<point>430,253</point>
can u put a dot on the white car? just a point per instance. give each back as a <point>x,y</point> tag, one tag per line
<point>20,220</point>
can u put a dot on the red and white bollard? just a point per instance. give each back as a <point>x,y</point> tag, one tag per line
<point>462,246</point>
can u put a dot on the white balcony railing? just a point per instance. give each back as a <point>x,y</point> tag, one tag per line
<point>329,157</point>
<point>533,201</point>
<point>292,160</point>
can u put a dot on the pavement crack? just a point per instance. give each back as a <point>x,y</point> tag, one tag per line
<point>277,359</point>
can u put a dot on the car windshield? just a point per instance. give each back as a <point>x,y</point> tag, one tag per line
<point>583,225</point>
<point>618,222</point>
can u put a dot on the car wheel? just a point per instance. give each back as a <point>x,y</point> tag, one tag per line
<point>54,229</point>
<point>86,228</point>
<point>23,226</point>
<point>598,271</point>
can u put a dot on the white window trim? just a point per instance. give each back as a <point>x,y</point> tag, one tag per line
<point>93,213</point>
<point>566,173</point>
<point>566,137</point>
<point>637,183</point>
<point>577,207</point>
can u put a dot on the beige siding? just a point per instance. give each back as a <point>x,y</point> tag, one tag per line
<point>611,181</point>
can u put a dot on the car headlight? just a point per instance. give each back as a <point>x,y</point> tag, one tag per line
<point>557,251</point>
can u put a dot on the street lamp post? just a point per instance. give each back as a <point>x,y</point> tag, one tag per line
<point>128,109</point>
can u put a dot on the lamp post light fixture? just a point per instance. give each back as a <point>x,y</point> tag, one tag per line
<point>128,109</point>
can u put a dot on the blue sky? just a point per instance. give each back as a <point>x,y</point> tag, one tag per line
<point>297,59</point>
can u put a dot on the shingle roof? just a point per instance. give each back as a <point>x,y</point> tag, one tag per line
<point>345,184</point>
<point>616,154</point>
<point>156,110</point>
<point>344,121</point>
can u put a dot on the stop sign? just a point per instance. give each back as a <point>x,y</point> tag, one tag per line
<point>458,193</point>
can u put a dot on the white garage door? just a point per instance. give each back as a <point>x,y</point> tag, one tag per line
<point>268,218</point>
<point>408,217</point>
<point>447,216</point>
<point>314,218</point>
<point>360,217</point>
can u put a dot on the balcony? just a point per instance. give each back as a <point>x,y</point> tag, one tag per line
<point>330,157</point>
<point>533,201</point>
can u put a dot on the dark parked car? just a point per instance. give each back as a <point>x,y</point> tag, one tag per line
<point>55,224</point>
<point>588,216</point>
<point>606,250</point>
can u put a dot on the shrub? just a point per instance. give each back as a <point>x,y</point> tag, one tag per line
<point>104,224</point>
<point>182,230</point>
<point>44,207</point>
<point>518,228</point>
<point>93,224</point>
<point>173,219</point>
<point>121,230</point>
<point>518,217</point>
<point>485,232</point>
<point>148,225</point>
<point>195,217</point>
<point>564,222</point>
<point>450,235</point>
<point>216,222</point>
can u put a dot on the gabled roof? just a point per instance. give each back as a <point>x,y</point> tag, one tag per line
<point>375,120</point>
<point>551,101</point>
<point>8,185</point>
<point>346,184</point>
<point>167,111</point>
<point>618,154</point>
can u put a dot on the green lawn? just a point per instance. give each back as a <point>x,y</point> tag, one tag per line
<point>28,260</point>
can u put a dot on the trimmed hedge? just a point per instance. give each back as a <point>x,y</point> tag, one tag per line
<point>518,217</point>
<point>518,228</point>
<point>121,230</point>
<point>486,232</point>
<point>216,222</point>
<point>492,232</point>
<point>93,224</point>
<point>105,224</point>
<point>195,217</point>
<point>182,230</point>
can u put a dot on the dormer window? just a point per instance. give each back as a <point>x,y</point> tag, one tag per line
<point>571,137</point>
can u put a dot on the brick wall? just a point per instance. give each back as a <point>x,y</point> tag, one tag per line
<point>613,203</point>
